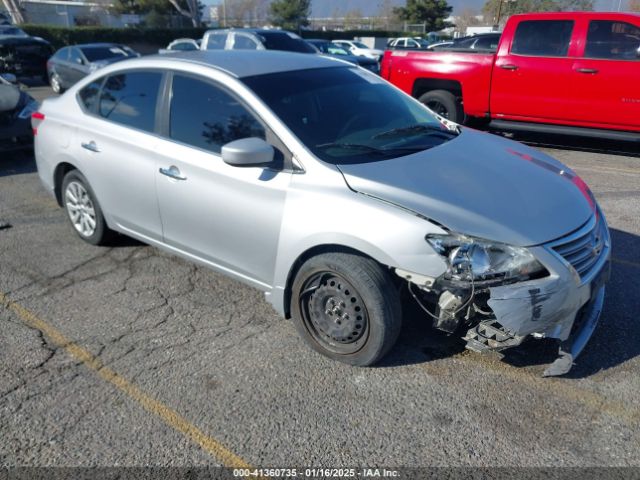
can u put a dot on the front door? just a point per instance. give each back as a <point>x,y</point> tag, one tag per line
<point>530,76</point>
<point>227,216</point>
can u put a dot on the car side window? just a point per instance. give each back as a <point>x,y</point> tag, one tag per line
<point>487,43</point>
<point>207,117</point>
<point>216,41</point>
<point>74,56</point>
<point>89,95</point>
<point>62,54</point>
<point>130,99</point>
<point>243,42</point>
<point>612,39</point>
<point>544,38</point>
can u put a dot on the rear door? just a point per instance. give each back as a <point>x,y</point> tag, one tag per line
<point>606,75</point>
<point>116,143</point>
<point>531,76</point>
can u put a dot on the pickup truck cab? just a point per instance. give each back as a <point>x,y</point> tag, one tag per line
<point>570,72</point>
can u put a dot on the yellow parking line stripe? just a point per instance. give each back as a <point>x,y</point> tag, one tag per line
<point>626,262</point>
<point>168,415</point>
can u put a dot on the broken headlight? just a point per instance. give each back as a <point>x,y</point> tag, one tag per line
<point>470,258</point>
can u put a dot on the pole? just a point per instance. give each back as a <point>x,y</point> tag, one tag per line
<point>497,25</point>
<point>224,13</point>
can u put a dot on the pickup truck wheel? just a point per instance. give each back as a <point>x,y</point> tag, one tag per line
<point>346,307</point>
<point>444,104</point>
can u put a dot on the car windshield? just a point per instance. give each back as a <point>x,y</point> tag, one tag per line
<point>285,41</point>
<point>345,115</point>
<point>330,48</point>
<point>95,54</point>
<point>360,45</point>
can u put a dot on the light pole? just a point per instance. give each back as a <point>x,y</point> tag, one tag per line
<point>500,2</point>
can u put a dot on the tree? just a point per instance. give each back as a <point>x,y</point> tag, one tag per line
<point>510,7</point>
<point>13,7</point>
<point>431,12</point>
<point>634,6</point>
<point>467,18</point>
<point>291,14</point>
<point>353,19</point>
<point>387,15</point>
<point>191,9</point>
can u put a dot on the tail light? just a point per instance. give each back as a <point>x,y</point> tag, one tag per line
<point>36,119</point>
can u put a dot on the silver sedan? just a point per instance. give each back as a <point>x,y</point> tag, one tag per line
<point>322,185</point>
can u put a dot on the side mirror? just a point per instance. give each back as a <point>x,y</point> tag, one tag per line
<point>248,152</point>
<point>9,77</point>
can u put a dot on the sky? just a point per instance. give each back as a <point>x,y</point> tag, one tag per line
<point>326,8</point>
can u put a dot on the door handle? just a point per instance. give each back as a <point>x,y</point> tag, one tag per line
<point>587,70</point>
<point>91,146</point>
<point>172,172</point>
<point>509,66</point>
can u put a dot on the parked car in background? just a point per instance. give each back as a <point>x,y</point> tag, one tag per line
<point>409,43</point>
<point>440,45</point>
<point>567,72</point>
<point>331,49</point>
<point>181,45</point>
<point>16,107</point>
<point>24,56</point>
<point>70,64</point>
<point>481,41</point>
<point>359,49</point>
<point>254,39</point>
<point>12,31</point>
<point>331,191</point>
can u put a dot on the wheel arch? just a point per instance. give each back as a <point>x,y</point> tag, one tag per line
<point>58,176</point>
<point>424,85</point>
<point>313,252</point>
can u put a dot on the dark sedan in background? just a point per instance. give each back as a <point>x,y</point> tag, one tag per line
<point>24,56</point>
<point>70,64</point>
<point>334,50</point>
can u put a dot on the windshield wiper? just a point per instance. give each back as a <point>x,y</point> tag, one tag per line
<point>351,146</point>
<point>417,128</point>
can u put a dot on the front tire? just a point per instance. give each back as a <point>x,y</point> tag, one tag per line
<point>346,307</point>
<point>83,209</point>
<point>444,104</point>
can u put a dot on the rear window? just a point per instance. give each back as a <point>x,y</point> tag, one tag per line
<point>285,41</point>
<point>130,99</point>
<point>614,40</point>
<point>94,54</point>
<point>216,41</point>
<point>545,38</point>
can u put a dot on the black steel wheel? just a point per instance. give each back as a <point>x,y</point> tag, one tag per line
<point>346,307</point>
<point>444,104</point>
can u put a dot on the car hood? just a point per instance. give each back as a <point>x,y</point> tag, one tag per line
<point>481,185</point>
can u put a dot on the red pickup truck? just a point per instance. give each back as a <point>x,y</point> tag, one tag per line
<point>569,72</point>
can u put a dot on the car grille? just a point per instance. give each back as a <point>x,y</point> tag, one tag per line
<point>584,248</point>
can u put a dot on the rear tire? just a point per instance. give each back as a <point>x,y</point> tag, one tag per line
<point>346,307</point>
<point>445,104</point>
<point>83,210</point>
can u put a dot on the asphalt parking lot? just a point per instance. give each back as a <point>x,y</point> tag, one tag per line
<point>130,356</point>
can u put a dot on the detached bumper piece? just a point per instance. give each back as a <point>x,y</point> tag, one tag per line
<point>584,326</point>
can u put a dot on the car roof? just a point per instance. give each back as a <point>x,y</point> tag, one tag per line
<point>247,63</point>
<point>259,31</point>
<point>23,40</point>
<point>95,45</point>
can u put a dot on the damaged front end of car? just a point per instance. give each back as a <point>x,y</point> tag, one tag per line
<point>497,295</point>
